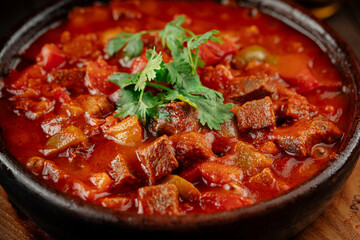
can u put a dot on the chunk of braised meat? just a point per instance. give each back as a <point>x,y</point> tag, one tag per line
<point>247,157</point>
<point>71,79</point>
<point>243,89</point>
<point>190,148</point>
<point>182,118</point>
<point>256,114</point>
<point>299,137</point>
<point>160,199</point>
<point>121,173</point>
<point>289,104</point>
<point>94,105</point>
<point>223,140</point>
<point>157,159</point>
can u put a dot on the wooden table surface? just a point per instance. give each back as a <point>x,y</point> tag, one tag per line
<point>340,221</point>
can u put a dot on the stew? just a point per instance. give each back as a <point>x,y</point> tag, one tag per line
<point>173,107</point>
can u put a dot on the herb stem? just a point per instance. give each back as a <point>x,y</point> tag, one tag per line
<point>158,86</point>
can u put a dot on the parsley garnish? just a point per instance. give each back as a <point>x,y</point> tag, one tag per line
<point>177,80</point>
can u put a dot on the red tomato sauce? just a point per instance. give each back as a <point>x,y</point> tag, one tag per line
<point>290,110</point>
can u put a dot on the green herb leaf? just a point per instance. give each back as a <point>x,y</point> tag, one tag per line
<point>131,41</point>
<point>148,73</point>
<point>124,79</point>
<point>176,81</point>
<point>196,41</point>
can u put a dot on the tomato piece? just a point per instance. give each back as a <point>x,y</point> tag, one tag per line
<point>219,173</point>
<point>87,19</point>
<point>119,203</point>
<point>295,70</point>
<point>139,63</point>
<point>60,95</point>
<point>221,201</point>
<point>192,175</point>
<point>82,191</point>
<point>214,52</point>
<point>101,181</point>
<point>96,79</point>
<point>31,77</point>
<point>216,77</point>
<point>51,57</point>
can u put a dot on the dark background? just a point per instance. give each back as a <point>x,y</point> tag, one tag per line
<point>346,22</point>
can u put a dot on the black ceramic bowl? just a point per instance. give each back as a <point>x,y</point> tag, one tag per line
<point>63,216</point>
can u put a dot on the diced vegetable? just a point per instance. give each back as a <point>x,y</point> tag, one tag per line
<point>51,57</point>
<point>214,52</point>
<point>219,173</point>
<point>254,53</point>
<point>101,181</point>
<point>70,136</point>
<point>217,77</point>
<point>35,164</point>
<point>266,179</point>
<point>222,201</point>
<point>126,132</point>
<point>247,158</point>
<point>118,203</point>
<point>82,191</point>
<point>295,70</point>
<point>97,74</point>
<point>186,189</point>
<point>94,105</point>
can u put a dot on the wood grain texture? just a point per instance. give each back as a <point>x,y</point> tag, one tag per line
<point>340,221</point>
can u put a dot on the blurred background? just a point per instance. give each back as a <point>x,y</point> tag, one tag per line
<point>342,15</point>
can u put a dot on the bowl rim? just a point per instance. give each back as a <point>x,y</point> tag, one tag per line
<point>99,213</point>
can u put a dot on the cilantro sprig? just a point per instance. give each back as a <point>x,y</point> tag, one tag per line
<point>177,80</point>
